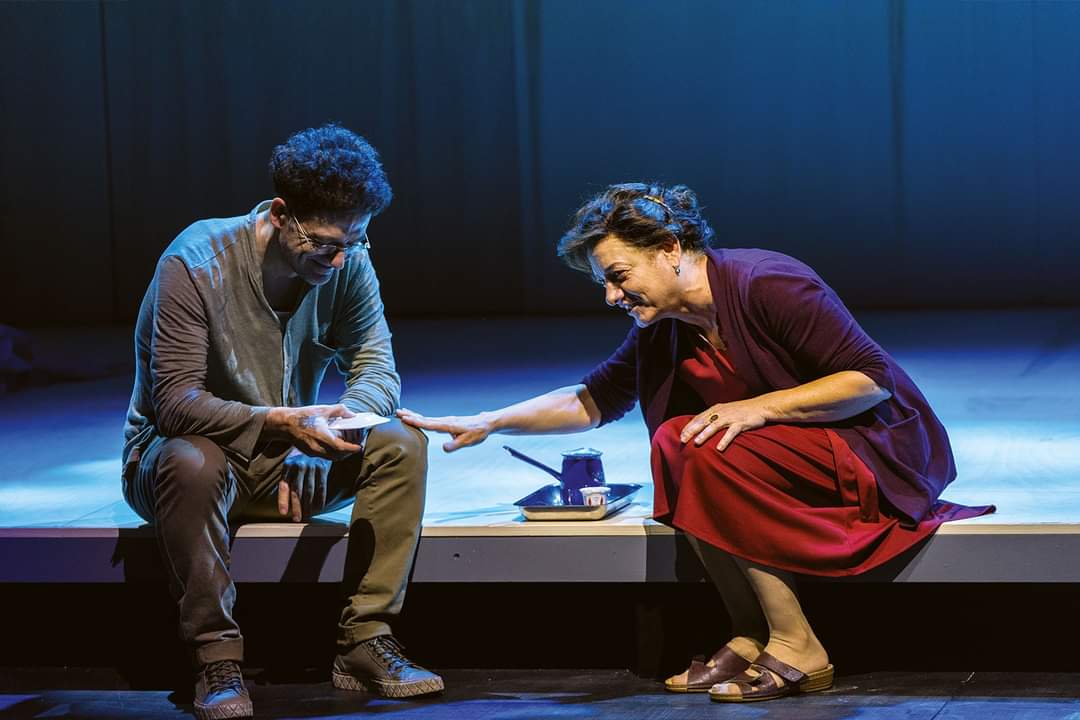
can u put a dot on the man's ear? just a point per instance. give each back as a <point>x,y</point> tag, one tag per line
<point>279,213</point>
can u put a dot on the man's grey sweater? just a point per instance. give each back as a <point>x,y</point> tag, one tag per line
<point>212,357</point>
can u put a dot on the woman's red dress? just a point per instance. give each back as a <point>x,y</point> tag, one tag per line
<point>793,497</point>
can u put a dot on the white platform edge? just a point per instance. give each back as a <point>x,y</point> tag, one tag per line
<point>625,528</point>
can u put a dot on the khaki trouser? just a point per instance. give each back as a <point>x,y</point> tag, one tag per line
<point>192,495</point>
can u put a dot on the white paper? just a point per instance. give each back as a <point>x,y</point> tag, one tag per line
<point>359,421</point>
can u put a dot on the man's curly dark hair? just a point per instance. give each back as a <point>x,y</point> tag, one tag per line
<point>329,170</point>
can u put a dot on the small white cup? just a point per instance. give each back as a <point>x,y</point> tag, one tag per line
<point>595,496</point>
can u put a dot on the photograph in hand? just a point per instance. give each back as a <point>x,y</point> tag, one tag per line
<point>359,421</point>
<point>354,429</point>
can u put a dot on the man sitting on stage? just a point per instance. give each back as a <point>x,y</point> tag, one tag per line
<point>235,332</point>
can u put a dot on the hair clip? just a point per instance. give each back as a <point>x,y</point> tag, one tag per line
<point>659,202</point>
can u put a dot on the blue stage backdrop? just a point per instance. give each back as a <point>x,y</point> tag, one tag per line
<point>917,154</point>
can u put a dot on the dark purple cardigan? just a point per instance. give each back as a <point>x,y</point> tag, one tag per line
<point>784,327</point>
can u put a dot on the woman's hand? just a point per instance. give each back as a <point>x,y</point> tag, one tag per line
<point>735,416</point>
<point>464,431</point>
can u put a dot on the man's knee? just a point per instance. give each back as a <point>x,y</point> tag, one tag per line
<point>402,447</point>
<point>400,442</point>
<point>193,465</point>
<point>412,441</point>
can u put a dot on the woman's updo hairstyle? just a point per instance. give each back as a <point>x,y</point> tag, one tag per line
<point>645,215</point>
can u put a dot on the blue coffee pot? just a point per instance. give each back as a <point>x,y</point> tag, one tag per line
<point>580,468</point>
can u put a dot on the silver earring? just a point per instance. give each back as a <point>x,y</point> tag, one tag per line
<point>677,269</point>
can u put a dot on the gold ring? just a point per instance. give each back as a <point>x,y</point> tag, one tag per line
<point>713,418</point>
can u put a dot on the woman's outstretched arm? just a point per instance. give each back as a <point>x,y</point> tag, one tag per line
<point>564,410</point>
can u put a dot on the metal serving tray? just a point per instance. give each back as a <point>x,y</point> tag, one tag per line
<point>547,504</point>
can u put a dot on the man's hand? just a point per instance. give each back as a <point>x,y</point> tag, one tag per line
<point>464,431</point>
<point>308,429</point>
<point>302,488</point>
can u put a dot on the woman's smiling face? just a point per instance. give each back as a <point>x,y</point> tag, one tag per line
<point>642,282</point>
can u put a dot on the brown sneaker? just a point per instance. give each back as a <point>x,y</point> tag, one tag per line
<point>378,665</point>
<point>220,692</point>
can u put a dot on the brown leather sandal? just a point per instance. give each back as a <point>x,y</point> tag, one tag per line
<point>701,675</point>
<point>765,687</point>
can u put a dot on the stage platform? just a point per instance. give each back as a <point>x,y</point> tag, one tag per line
<point>1005,384</point>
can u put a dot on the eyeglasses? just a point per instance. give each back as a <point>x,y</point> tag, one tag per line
<point>331,249</point>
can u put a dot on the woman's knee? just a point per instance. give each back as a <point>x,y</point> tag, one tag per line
<point>667,445</point>
<point>669,432</point>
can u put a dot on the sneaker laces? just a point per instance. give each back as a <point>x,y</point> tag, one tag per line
<point>391,652</point>
<point>222,676</point>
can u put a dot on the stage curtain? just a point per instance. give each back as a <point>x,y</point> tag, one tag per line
<point>918,154</point>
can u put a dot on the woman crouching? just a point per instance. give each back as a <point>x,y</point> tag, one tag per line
<point>784,439</point>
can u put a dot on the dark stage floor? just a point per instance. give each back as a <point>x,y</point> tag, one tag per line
<point>597,694</point>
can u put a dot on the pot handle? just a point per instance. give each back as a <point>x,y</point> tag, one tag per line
<point>535,463</point>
